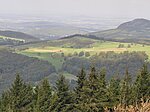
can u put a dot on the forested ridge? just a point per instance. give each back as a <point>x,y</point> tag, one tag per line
<point>113,62</point>
<point>31,69</point>
<point>92,94</point>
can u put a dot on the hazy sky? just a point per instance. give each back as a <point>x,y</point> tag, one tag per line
<point>101,8</point>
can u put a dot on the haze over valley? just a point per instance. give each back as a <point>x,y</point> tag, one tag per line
<point>74,56</point>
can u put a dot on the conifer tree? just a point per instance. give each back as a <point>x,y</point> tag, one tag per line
<point>113,92</point>
<point>125,95</point>
<point>54,101</point>
<point>80,84</point>
<point>79,90</point>
<point>102,89</point>
<point>21,96</point>
<point>90,94</point>
<point>142,85</point>
<point>44,97</point>
<point>64,100</point>
<point>5,102</point>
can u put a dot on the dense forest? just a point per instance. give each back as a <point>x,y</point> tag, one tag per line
<point>92,94</point>
<point>110,60</point>
<point>31,69</point>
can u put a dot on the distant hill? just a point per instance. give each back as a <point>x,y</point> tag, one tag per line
<point>137,30</point>
<point>18,35</point>
<point>73,41</point>
<point>44,30</point>
<point>136,25</point>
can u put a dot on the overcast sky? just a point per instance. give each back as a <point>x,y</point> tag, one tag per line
<point>100,8</point>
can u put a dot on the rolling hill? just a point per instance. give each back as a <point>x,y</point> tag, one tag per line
<point>137,30</point>
<point>18,35</point>
<point>44,30</point>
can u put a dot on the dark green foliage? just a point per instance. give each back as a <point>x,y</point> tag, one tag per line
<point>64,98</point>
<point>125,96</point>
<point>92,93</point>
<point>62,54</point>
<point>81,53</point>
<point>19,97</point>
<point>103,98</point>
<point>87,54</point>
<point>113,92</point>
<point>5,102</point>
<point>89,96</point>
<point>31,69</point>
<point>80,84</point>
<point>129,46</point>
<point>111,61</point>
<point>44,97</point>
<point>142,84</point>
<point>121,46</point>
<point>75,54</point>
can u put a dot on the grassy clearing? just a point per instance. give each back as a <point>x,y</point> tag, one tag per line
<point>55,60</point>
<point>50,53</point>
<point>95,48</point>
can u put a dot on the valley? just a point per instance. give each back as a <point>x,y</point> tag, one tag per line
<point>108,54</point>
<point>74,56</point>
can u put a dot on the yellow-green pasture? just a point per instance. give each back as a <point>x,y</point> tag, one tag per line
<point>49,52</point>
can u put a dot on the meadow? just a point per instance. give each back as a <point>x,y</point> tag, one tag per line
<point>53,54</point>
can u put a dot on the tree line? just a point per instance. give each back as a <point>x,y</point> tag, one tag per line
<point>93,93</point>
<point>112,61</point>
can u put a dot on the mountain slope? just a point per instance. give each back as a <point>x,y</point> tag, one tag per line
<point>136,25</point>
<point>137,30</point>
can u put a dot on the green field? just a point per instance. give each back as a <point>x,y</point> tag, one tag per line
<point>53,53</point>
<point>55,60</point>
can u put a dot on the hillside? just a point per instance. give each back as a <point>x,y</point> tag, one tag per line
<point>137,30</point>
<point>18,35</point>
<point>77,41</point>
<point>31,69</point>
<point>136,25</point>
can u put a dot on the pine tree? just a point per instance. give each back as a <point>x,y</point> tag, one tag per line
<point>5,102</point>
<point>21,96</point>
<point>90,99</point>
<point>113,92</point>
<point>64,100</point>
<point>102,89</point>
<point>54,101</point>
<point>80,84</point>
<point>79,89</point>
<point>142,85</point>
<point>102,82</point>
<point>125,91</point>
<point>44,97</point>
